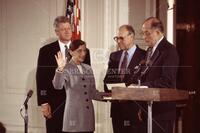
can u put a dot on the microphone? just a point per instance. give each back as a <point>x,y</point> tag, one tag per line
<point>28,96</point>
<point>25,105</point>
<point>136,72</point>
<point>139,67</point>
<point>149,63</point>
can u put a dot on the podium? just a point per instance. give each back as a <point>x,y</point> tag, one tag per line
<point>149,95</point>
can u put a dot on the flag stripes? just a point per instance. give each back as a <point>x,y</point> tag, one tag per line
<point>73,13</point>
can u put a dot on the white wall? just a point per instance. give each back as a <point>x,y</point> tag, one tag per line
<point>26,25</point>
<point>139,10</point>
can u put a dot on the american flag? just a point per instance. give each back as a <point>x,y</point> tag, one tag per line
<point>73,13</point>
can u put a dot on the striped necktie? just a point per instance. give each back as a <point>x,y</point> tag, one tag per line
<point>149,54</point>
<point>122,71</point>
<point>67,54</point>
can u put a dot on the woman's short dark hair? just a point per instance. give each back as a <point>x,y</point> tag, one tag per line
<point>75,44</point>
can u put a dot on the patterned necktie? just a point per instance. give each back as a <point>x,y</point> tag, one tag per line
<point>149,54</point>
<point>67,54</point>
<point>122,71</point>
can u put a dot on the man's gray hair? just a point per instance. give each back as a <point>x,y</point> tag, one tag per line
<point>60,19</point>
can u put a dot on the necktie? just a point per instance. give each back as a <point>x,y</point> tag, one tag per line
<point>123,66</point>
<point>67,54</point>
<point>148,56</point>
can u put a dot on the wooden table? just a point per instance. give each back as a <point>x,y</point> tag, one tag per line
<point>149,95</point>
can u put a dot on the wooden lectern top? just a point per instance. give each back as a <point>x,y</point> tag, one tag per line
<point>149,94</point>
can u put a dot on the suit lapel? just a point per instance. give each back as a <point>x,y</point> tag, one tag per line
<point>157,52</point>
<point>118,58</point>
<point>84,69</point>
<point>50,52</point>
<point>56,47</point>
<point>75,67</point>
<point>155,56</point>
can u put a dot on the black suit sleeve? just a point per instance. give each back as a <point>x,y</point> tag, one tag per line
<point>44,73</point>
<point>41,78</point>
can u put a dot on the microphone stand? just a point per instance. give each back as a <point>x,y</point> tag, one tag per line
<point>139,83</point>
<point>139,78</point>
<point>26,119</point>
<point>25,106</point>
<point>149,103</point>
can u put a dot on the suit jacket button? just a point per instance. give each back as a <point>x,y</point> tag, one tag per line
<point>85,93</point>
<point>87,107</point>
<point>84,86</point>
<point>83,79</point>
<point>86,100</point>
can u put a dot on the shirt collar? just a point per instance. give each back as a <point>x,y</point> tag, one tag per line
<point>62,45</point>
<point>131,50</point>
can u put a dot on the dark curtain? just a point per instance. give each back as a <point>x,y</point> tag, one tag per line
<point>188,46</point>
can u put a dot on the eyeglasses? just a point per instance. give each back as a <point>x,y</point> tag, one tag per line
<point>146,33</point>
<point>120,38</point>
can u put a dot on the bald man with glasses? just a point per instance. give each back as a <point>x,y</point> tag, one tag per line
<point>121,67</point>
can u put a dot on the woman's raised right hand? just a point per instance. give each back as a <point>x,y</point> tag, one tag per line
<point>61,61</point>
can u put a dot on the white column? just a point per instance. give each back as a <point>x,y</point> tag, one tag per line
<point>123,7</point>
<point>170,21</point>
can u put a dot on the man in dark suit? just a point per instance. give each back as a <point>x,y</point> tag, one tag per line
<point>123,113</point>
<point>160,72</point>
<point>51,101</point>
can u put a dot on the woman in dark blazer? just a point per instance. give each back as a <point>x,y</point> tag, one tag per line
<point>79,83</point>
